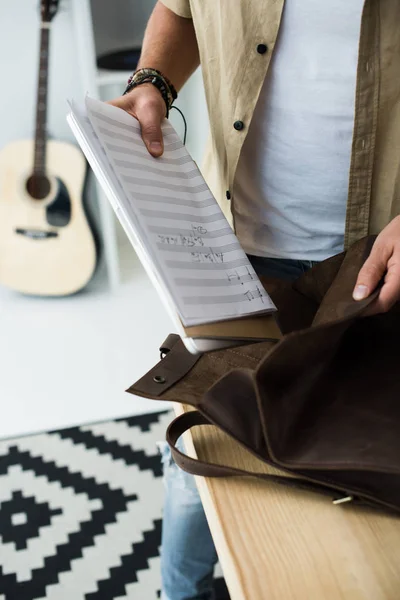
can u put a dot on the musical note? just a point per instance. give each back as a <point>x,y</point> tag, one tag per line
<point>258,293</point>
<point>181,240</point>
<point>250,274</point>
<point>208,257</point>
<point>234,276</point>
<point>199,229</point>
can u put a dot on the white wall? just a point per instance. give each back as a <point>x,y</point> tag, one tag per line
<point>19,47</point>
<point>118,23</point>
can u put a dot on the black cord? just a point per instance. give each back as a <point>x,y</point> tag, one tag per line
<point>184,121</point>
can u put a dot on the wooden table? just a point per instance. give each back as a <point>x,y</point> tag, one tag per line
<point>281,544</point>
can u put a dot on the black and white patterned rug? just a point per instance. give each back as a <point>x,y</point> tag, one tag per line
<point>81,510</point>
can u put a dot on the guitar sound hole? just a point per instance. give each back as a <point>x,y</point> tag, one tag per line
<point>38,187</point>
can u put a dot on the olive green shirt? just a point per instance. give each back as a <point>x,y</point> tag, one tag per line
<point>229,34</point>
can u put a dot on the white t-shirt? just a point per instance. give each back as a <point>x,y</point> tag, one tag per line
<point>291,187</point>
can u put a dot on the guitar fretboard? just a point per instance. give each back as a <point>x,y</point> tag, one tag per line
<point>41,103</point>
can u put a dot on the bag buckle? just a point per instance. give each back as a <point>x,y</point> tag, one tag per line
<point>343,500</point>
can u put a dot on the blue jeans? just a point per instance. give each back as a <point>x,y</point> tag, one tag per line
<point>188,555</point>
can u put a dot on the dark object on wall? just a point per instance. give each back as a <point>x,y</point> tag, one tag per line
<point>121,60</point>
<point>321,404</point>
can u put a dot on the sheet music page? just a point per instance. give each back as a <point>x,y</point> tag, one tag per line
<point>101,165</point>
<point>202,263</point>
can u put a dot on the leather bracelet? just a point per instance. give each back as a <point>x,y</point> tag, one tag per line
<point>156,78</point>
<point>144,72</point>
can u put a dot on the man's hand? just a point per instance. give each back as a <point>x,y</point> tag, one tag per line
<point>170,46</point>
<point>384,260</point>
<point>146,104</point>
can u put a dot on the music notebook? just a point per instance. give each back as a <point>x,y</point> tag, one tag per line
<point>176,227</point>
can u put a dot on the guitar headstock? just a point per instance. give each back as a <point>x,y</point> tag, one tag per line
<point>48,9</point>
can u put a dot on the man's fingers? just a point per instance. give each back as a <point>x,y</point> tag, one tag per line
<point>118,102</point>
<point>390,292</point>
<point>386,299</point>
<point>150,123</point>
<point>372,272</point>
<point>146,104</point>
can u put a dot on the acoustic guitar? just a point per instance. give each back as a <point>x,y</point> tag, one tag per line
<point>47,247</point>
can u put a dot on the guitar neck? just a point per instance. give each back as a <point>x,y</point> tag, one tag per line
<point>41,102</point>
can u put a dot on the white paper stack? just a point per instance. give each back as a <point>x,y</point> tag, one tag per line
<point>173,221</point>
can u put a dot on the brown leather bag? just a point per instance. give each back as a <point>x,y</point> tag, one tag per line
<point>322,404</point>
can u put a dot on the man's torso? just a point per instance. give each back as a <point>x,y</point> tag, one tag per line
<point>229,35</point>
<point>292,179</point>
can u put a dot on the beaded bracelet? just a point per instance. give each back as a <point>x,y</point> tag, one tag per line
<point>156,78</point>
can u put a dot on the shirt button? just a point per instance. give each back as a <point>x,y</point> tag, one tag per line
<point>238,125</point>
<point>262,48</point>
<point>228,195</point>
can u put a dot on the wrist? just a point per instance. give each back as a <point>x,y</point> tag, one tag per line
<point>145,95</point>
<point>155,78</point>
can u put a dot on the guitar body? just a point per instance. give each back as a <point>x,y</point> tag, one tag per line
<point>46,245</point>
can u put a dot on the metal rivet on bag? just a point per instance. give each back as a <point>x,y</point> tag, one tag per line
<point>159,379</point>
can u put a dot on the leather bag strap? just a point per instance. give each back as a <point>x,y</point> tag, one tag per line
<point>175,363</point>
<point>193,418</point>
<point>169,343</point>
